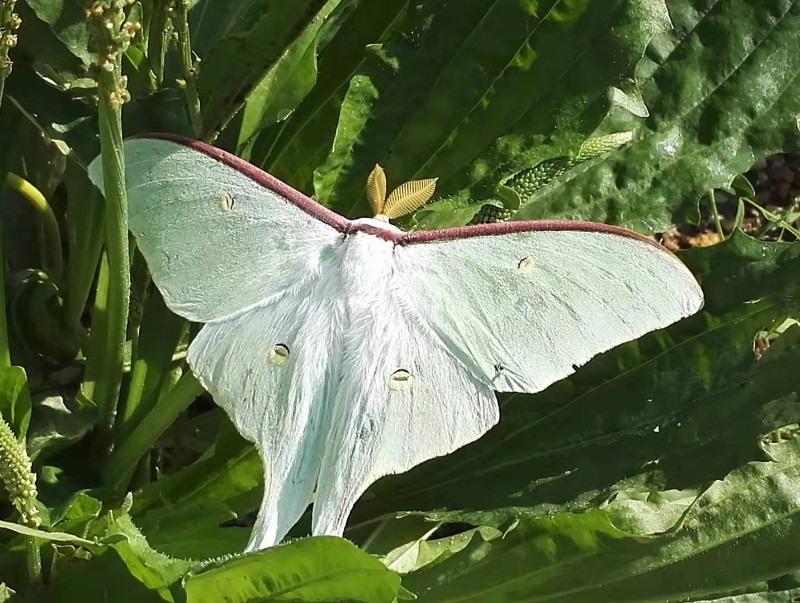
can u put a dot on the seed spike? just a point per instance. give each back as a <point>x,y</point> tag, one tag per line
<point>376,189</point>
<point>408,197</point>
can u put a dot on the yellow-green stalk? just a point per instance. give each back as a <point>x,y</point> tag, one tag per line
<point>111,34</point>
<point>180,22</point>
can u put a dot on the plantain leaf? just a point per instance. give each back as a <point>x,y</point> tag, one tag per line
<point>722,90</point>
<point>292,149</point>
<point>313,569</point>
<point>15,399</point>
<point>255,37</point>
<point>472,92</point>
<point>182,514</point>
<point>290,79</point>
<point>738,531</point>
<point>67,19</point>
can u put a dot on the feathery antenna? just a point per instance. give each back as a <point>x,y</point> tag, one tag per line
<point>402,200</point>
<point>376,189</point>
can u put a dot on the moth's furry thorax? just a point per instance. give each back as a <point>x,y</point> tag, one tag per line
<point>377,223</point>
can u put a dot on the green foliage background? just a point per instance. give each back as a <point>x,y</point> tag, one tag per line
<point>663,470</point>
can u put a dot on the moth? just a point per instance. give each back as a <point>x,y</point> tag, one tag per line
<point>347,350</point>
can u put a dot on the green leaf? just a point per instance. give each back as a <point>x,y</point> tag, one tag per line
<point>663,405</point>
<point>77,514</point>
<point>112,534</point>
<point>85,216</point>
<point>445,213</point>
<point>472,92</point>
<point>58,422</point>
<point>101,579</point>
<point>320,569</point>
<point>152,568</point>
<point>69,123</point>
<point>144,434</point>
<point>289,80</point>
<point>236,64</point>
<point>738,531</point>
<point>15,399</point>
<point>292,149</point>
<point>181,513</point>
<point>67,19</point>
<point>422,551</point>
<point>43,535</point>
<point>160,333</point>
<point>716,105</point>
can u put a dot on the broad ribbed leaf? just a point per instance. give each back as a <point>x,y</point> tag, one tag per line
<point>321,569</point>
<point>251,44</point>
<point>182,514</point>
<point>740,531</point>
<point>722,90</point>
<point>152,568</point>
<point>666,403</point>
<point>289,80</point>
<point>292,149</point>
<point>472,91</point>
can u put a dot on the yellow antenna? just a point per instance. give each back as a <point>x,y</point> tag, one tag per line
<point>376,189</point>
<point>408,197</point>
<point>403,200</point>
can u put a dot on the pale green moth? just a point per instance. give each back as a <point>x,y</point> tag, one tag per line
<point>349,350</point>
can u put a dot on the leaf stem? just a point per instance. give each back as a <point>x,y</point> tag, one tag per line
<point>5,354</point>
<point>181,25</point>
<point>34,560</point>
<point>123,460</point>
<point>86,236</point>
<point>712,195</point>
<point>95,360</point>
<point>53,260</point>
<point>774,219</point>
<point>108,385</point>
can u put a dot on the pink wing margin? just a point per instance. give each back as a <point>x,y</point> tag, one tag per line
<point>308,205</point>
<point>331,218</point>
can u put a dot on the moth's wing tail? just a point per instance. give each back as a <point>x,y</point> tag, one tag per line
<point>263,368</point>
